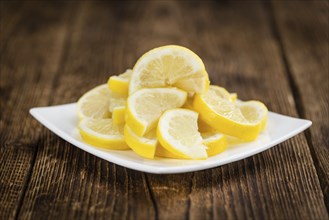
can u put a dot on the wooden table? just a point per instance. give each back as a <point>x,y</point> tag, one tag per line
<point>52,52</point>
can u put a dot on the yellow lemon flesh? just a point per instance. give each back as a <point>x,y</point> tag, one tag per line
<point>120,84</point>
<point>216,142</point>
<point>178,133</point>
<point>102,133</point>
<point>145,107</point>
<point>243,121</point>
<point>95,103</point>
<point>145,146</point>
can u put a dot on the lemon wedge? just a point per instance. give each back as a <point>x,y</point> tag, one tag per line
<point>194,85</point>
<point>145,146</point>
<point>215,142</point>
<point>117,106</point>
<point>116,101</point>
<point>102,133</point>
<point>213,90</point>
<point>178,133</point>
<point>120,84</point>
<point>243,120</point>
<point>220,92</point>
<point>95,103</point>
<point>169,66</point>
<point>145,107</point>
<point>118,115</point>
<point>255,112</point>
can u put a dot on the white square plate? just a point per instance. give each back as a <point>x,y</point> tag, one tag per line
<point>62,120</point>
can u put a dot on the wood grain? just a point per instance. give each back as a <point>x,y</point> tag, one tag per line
<point>73,183</point>
<point>305,43</point>
<point>10,15</point>
<point>249,65</point>
<point>68,48</point>
<point>29,62</point>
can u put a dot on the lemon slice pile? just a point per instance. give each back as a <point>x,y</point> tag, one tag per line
<point>166,107</point>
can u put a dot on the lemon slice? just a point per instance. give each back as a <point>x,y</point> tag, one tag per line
<point>178,133</point>
<point>227,117</point>
<point>118,115</point>
<point>215,142</point>
<point>120,84</point>
<point>169,66</point>
<point>144,146</point>
<point>95,103</point>
<point>145,107</point>
<point>102,133</point>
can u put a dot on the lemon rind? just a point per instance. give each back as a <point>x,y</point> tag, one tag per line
<point>144,147</point>
<point>163,138</point>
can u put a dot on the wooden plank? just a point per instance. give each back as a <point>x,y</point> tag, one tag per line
<point>304,37</point>
<point>25,81</point>
<point>236,42</point>
<point>10,15</point>
<point>69,183</point>
<point>240,53</point>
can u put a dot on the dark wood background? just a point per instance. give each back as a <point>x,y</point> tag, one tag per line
<point>52,52</point>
